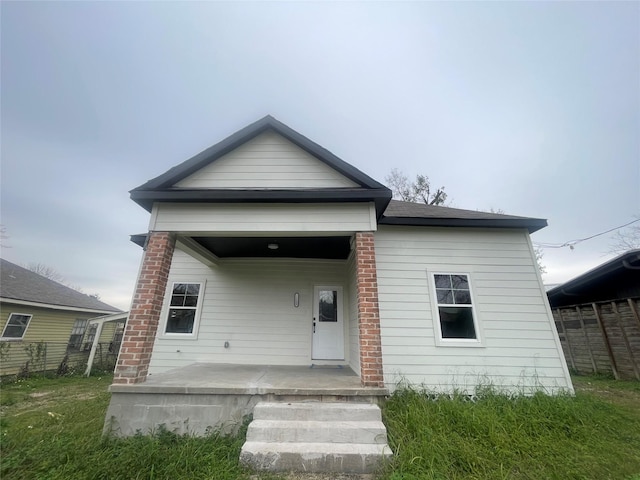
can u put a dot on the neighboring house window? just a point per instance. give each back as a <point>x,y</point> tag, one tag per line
<point>77,333</point>
<point>455,307</point>
<point>90,336</point>
<point>16,325</point>
<point>183,307</point>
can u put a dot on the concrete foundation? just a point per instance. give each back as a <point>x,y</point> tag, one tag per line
<point>204,397</point>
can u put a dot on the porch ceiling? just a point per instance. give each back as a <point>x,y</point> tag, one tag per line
<point>288,247</point>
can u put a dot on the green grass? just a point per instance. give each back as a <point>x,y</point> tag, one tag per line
<point>588,436</point>
<point>51,429</point>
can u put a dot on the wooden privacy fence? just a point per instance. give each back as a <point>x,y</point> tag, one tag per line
<point>601,337</point>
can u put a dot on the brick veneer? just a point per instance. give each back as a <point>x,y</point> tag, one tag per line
<point>368,313</point>
<point>137,343</point>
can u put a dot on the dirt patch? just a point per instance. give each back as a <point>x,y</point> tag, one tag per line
<point>618,392</point>
<point>39,394</point>
<point>320,476</point>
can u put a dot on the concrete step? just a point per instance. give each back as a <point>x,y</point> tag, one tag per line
<point>316,437</point>
<point>317,411</point>
<point>348,431</point>
<point>314,457</point>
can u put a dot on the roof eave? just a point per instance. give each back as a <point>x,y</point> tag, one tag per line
<point>381,196</point>
<point>607,268</point>
<point>55,306</point>
<point>531,224</point>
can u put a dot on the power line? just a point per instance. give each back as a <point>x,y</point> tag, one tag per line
<point>572,243</point>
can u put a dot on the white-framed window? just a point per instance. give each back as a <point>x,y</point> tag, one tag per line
<point>77,334</point>
<point>16,326</point>
<point>183,310</point>
<point>456,317</point>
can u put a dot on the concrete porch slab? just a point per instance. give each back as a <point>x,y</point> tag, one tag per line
<point>228,379</point>
<point>202,397</point>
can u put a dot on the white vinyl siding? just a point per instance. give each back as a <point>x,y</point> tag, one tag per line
<point>249,303</point>
<point>298,218</point>
<point>267,161</point>
<point>520,347</point>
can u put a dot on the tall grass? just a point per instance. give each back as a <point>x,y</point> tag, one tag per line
<point>51,429</point>
<point>497,437</point>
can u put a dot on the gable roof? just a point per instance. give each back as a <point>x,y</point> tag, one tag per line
<point>162,188</point>
<point>615,279</point>
<point>22,285</point>
<point>420,214</point>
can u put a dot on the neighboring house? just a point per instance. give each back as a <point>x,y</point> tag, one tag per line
<point>35,310</point>
<point>267,249</point>
<point>598,317</point>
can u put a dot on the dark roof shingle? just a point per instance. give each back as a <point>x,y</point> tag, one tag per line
<point>18,283</point>
<point>408,213</point>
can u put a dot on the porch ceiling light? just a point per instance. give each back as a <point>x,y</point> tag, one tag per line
<point>273,246</point>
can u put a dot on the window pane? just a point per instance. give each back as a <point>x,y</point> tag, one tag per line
<point>460,282</point>
<point>190,301</point>
<point>180,288</point>
<point>444,296</point>
<point>193,289</point>
<point>181,320</point>
<point>328,306</point>
<point>177,301</point>
<point>443,281</point>
<point>457,322</point>
<point>14,331</point>
<point>462,297</point>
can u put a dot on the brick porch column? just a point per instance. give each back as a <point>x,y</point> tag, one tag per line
<point>368,314</point>
<point>137,342</point>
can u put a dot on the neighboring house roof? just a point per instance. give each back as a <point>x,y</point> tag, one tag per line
<point>616,279</point>
<point>20,285</point>
<point>408,213</point>
<point>162,187</point>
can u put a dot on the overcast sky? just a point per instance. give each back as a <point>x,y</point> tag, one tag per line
<point>532,108</point>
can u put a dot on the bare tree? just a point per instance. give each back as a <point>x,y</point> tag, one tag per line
<point>626,239</point>
<point>3,237</point>
<point>416,191</point>
<point>47,272</point>
<point>52,274</point>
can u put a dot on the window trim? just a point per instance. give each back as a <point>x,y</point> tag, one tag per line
<point>440,341</point>
<point>167,306</point>
<point>15,339</point>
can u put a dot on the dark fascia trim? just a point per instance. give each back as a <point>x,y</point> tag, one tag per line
<point>381,197</point>
<point>531,224</point>
<point>183,170</point>
<point>139,239</point>
<point>621,262</point>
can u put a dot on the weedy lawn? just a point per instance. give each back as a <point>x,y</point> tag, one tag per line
<point>51,429</point>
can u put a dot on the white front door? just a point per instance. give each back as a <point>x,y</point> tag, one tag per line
<point>328,326</point>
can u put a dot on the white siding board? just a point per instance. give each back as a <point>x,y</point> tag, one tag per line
<point>518,335</point>
<point>267,161</point>
<point>262,218</point>
<point>249,303</point>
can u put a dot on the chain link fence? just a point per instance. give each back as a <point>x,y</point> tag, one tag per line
<point>22,360</point>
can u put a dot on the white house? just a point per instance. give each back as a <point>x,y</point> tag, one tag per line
<point>266,251</point>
